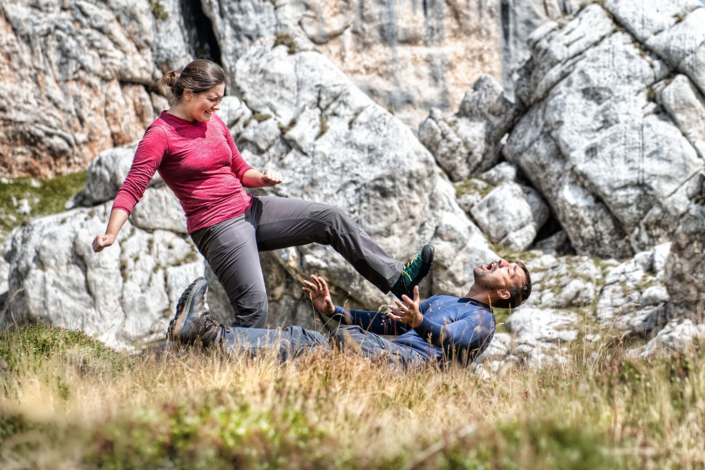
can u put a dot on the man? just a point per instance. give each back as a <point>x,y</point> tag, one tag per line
<point>442,329</point>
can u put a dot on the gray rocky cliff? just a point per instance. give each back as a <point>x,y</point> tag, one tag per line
<point>299,115</point>
<point>80,75</point>
<point>76,78</point>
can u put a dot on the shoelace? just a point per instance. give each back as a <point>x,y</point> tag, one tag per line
<point>410,264</point>
<point>209,325</point>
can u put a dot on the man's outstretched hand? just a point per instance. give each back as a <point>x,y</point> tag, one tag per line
<point>409,313</point>
<point>318,291</point>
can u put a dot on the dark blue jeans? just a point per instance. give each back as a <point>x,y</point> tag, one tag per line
<point>295,341</point>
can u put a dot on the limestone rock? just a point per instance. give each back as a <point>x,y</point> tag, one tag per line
<point>511,215</point>
<point>674,337</point>
<point>468,143</point>
<point>673,30</point>
<point>687,108</point>
<point>500,347</point>
<point>408,59</point>
<point>170,49</point>
<point>612,172</point>
<point>107,172</point>
<point>159,209</point>
<point>645,18</point>
<point>545,325</point>
<point>685,267</point>
<point>74,76</point>
<point>562,282</point>
<point>503,173</point>
<point>361,159</point>
<point>634,298</point>
<point>124,294</point>
<point>519,19</point>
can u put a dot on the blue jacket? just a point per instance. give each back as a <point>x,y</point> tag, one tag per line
<point>452,328</point>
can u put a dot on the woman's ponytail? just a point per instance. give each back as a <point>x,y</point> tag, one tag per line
<point>167,83</point>
<point>198,76</point>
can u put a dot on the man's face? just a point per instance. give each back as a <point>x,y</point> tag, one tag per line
<point>498,275</point>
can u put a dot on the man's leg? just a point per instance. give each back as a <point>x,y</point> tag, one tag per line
<point>365,344</point>
<point>231,250</point>
<point>285,222</point>
<point>193,325</point>
<point>288,343</point>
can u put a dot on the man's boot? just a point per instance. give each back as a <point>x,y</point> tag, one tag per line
<point>191,323</point>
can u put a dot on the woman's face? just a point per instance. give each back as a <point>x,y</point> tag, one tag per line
<point>201,106</point>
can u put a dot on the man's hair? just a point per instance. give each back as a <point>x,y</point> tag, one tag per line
<point>519,292</point>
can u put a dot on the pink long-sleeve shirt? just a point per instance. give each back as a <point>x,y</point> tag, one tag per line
<point>198,161</point>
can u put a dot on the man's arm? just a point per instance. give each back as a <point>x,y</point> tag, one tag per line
<point>468,334</point>
<point>374,322</point>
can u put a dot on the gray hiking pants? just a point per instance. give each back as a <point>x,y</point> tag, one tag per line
<point>231,248</point>
<point>295,341</point>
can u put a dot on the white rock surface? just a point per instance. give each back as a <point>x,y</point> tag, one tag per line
<point>634,297</point>
<point>519,18</point>
<point>685,267</point>
<point>562,282</point>
<point>468,142</point>
<point>544,325</point>
<point>687,108</point>
<point>74,77</point>
<point>613,171</point>
<point>361,159</point>
<point>511,215</point>
<point>122,295</point>
<point>672,29</point>
<point>674,337</point>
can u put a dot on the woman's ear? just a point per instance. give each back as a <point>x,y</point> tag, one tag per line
<point>188,94</point>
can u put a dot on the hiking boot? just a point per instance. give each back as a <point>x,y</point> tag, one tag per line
<point>191,322</point>
<point>414,271</point>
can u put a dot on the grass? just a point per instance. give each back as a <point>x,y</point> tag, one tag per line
<point>68,401</point>
<point>45,197</point>
<point>472,185</point>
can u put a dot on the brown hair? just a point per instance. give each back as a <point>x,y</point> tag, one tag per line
<point>198,76</point>
<point>519,292</point>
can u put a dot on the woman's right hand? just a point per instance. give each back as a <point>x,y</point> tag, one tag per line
<point>102,241</point>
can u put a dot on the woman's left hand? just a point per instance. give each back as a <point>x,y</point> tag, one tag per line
<point>271,178</point>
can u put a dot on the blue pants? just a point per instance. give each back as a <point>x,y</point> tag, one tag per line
<point>295,341</point>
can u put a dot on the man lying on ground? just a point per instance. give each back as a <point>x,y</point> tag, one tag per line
<point>442,329</point>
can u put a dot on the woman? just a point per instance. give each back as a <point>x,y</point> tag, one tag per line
<point>197,158</point>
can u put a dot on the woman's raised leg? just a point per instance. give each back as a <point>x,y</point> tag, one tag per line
<point>284,222</point>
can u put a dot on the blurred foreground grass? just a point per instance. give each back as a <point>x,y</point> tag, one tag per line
<point>68,401</point>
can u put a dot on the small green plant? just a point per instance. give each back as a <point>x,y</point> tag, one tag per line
<point>284,129</point>
<point>158,10</point>
<point>45,197</point>
<point>472,185</point>
<point>261,117</point>
<point>285,39</point>
<point>324,127</point>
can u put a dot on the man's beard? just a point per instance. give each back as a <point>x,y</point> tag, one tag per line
<point>483,279</point>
